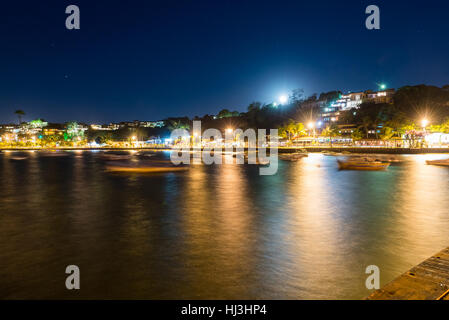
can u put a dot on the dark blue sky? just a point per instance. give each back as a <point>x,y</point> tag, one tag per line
<point>149,60</point>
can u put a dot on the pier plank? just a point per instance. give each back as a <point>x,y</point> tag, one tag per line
<point>427,281</point>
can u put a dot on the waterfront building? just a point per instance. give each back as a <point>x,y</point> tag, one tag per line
<point>105,127</point>
<point>74,129</point>
<point>144,124</point>
<point>151,124</point>
<point>384,96</point>
<point>10,128</point>
<point>98,127</point>
<point>437,139</point>
<point>330,112</point>
<point>33,127</point>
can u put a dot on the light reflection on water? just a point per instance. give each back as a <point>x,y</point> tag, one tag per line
<point>215,232</point>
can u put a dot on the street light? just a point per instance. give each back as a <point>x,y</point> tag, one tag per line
<point>311,126</point>
<point>424,123</point>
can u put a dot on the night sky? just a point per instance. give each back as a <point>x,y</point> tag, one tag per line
<point>149,60</point>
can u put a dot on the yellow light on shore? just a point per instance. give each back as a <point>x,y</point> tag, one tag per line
<point>134,138</point>
<point>424,123</point>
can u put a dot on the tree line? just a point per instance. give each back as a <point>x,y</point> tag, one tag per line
<point>410,105</point>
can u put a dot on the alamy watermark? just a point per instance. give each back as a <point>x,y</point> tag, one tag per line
<point>373,280</point>
<point>73,20</point>
<point>372,22</point>
<point>208,147</point>
<point>72,282</point>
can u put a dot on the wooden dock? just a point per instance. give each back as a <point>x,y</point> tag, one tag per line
<point>427,281</point>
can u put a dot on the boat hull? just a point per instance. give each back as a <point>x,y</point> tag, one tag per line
<point>444,163</point>
<point>144,168</point>
<point>362,166</point>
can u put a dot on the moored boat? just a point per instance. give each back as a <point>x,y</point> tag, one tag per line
<point>53,154</point>
<point>362,165</point>
<point>442,162</point>
<point>115,157</point>
<point>293,156</point>
<point>330,153</point>
<point>154,167</point>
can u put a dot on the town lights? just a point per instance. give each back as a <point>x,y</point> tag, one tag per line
<point>311,125</point>
<point>134,138</point>
<point>229,130</point>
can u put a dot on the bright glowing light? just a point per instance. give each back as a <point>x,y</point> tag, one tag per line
<point>134,138</point>
<point>283,99</point>
<point>275,104</point>
<point>319,124</point>
<point>383,86</point>
<point>311,125</point>
<point>229,130</point>
<point>424,123</point>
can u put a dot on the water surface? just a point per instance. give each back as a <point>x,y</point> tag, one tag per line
<point>214,232</point>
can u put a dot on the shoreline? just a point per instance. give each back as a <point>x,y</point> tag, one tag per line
<point>355,150</point>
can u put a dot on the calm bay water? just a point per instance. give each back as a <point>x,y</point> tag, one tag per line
<point>214,232</point>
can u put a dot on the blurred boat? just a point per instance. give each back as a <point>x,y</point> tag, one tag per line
<point>148,155</point>
<point>391,159</point>
<point>53,154</point>
<point>293,156</point>
<point>443,162</point>
<point>249,159</point>
<point>330,153</point>
<point>377,158</point>
<point>148,167</point>
<point>115,157</point>
<point>364,165</point>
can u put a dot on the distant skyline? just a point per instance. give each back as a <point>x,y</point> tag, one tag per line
<point>152,60</point>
